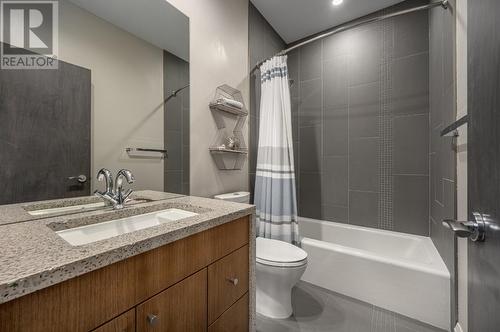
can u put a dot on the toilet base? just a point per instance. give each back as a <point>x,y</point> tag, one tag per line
<point>274,289</point>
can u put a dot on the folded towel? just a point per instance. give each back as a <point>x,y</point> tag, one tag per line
<point>230,102</point>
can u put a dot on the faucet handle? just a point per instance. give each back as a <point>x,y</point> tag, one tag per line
<point>106,175</point>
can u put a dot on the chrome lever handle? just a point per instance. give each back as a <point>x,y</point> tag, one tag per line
<point>80,178</point>
<point>475,230</point>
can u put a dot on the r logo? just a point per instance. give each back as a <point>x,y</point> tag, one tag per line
<point>28,28</point>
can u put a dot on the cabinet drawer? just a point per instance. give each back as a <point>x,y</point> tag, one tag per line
<point>160,268</point>
<point>235,319</point>
<point>122,323</point>
<point>182,307</point>
<point>227,282</point>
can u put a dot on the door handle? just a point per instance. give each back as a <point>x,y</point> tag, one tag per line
<point>80,178</point>
<point>474,229</point>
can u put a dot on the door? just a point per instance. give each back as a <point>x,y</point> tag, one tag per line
<point>44,133</point>
<point>484,162</point>
<point>180,308</point>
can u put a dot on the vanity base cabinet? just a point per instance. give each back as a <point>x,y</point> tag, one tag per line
<point>158,279</point>
<point>123,323</point>
<point>182,307</point>
<point>233,319</point>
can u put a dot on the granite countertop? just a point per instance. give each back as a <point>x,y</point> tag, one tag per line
<point>14,213</point>
<point>33,256</point>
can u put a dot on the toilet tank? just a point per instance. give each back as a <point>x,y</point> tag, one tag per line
<point>239,197</point>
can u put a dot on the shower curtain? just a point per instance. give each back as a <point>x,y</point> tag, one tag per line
<point>275,194</point>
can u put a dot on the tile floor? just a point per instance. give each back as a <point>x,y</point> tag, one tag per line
<point>317,309</point>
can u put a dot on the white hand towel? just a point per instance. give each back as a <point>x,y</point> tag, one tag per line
<point>230,102</point>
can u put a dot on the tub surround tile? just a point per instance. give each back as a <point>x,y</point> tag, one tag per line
<point>310,103</point>
<point>363,165</point>
<point>411,34</point>
<point>310,197</point>
<point>363,208</point>
<point>411,204</point>
<point>35,257</point>
<point>310,149</point>
<point>411,144</point>
<point>335,181</point>
<point>364,110</point>
<point>335,82</point>
<point>411,85</point>
<point>335,132</point>
<point>310,61</point>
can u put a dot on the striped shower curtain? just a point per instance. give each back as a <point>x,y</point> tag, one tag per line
<point>275,193</point>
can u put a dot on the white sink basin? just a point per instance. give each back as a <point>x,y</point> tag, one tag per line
<point>105,230</point>
<point>67,209</point>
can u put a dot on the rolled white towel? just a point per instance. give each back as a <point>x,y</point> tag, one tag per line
<point>230,102</point>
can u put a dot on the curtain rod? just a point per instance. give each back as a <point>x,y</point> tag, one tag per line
<point>347,26</point>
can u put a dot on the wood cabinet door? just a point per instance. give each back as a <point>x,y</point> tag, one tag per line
<point>123,323</point>
<point>182,307</point>
<point>234,319</point>
<point>227,282</point>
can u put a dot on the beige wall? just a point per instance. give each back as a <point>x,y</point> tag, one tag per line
<point>127,89</point>
<point>218,55</point>
<point>461,51</point>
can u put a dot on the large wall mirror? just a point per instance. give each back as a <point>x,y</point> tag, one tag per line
<point>119,99</point>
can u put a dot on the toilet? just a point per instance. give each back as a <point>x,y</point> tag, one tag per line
<point>280,266</point>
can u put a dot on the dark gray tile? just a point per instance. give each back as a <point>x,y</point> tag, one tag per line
<point>185,162</point>
<point>449,191</point>
<point>335,83</point>
<point>410,85</point>
<point>335,181</point>
<point>310,149</point>
<point>363,164</point>
<point>310,61</point>
<point>310,195</point>
<point>335,213</point>
<point>310,103</point>
<point>411,34</point>
<point>411,144</point>
<point>293,72</point>
<point>364,110</point>
<point>173,182</point>
<point>335,132</point>
<point>339,44</point>
<point>363,208</point>
<point>295,127</point>
<point>366,58</point>
<point>173,114</point>
<point>447,158</point>
<point>411,204</point>
<point>173,144</point>
<point>448,109</point>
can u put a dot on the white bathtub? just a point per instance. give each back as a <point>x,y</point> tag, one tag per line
<point>395,271</point>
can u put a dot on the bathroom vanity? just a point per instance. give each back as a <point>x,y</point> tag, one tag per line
<point>191,274</point>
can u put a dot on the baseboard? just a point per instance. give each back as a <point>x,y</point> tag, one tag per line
<point>458,328</point>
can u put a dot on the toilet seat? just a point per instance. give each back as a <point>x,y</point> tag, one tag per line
<point>279,254</point>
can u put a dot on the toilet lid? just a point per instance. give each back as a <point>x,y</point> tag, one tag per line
<point>278,251</point>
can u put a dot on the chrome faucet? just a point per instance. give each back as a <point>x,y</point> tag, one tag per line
<point>114,193</point>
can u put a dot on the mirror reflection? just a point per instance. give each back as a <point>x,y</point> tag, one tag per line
<point>118,99</point>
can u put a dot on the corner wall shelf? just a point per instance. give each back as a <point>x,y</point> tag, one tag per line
<point>228,106</point>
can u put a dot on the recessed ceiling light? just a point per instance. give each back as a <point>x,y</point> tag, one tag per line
<point>337,2</point>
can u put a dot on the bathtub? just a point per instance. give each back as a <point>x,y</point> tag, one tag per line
<point>399,272</point>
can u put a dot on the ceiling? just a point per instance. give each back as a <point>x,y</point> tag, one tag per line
<point>155,21</point>
<point>296,19</point>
